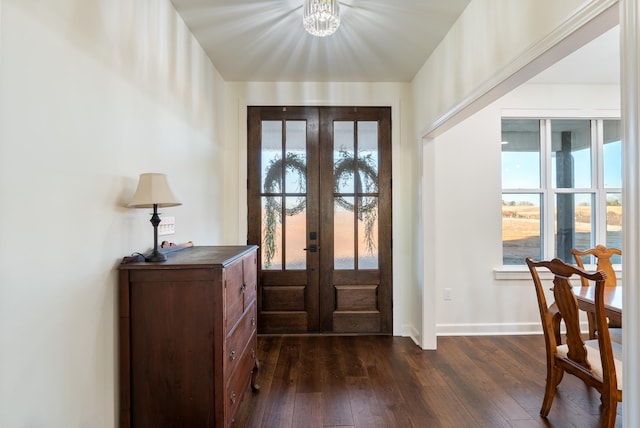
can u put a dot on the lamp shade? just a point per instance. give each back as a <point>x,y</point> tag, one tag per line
<point>153,189</point>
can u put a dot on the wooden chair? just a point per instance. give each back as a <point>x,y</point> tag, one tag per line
<point>603,259</point>
<point>598,363</point>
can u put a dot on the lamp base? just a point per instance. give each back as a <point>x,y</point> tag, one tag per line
<point>155,257</point>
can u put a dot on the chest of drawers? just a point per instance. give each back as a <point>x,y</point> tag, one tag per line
<point>187,337</point>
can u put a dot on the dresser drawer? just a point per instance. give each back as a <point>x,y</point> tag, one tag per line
<point>234,294</point>
<point>241,288</point>
<point>239,379</point>
<point>238,340</point>
<point>250,274</point>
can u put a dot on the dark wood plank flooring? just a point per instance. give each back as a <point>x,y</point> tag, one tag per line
<point>384,381</point>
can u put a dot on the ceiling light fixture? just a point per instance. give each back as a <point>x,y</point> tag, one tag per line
<point>321,17</point>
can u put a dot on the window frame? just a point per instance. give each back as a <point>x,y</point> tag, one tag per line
<point>548,191</point>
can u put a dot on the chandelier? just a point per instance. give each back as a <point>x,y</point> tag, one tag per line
<point>321,17</point>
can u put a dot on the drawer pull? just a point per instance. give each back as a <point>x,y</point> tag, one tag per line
<point>232,355</point>
<point>233,398</point>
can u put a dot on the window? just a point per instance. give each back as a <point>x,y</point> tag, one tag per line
<point>561,187</point>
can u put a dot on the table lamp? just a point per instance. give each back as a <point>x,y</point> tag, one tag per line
<point>153,191</point>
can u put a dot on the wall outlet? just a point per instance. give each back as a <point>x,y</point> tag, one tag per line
<point>447,294</point>
<point>167,226</point>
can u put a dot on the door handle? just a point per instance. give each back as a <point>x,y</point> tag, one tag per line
<point>313,248</point>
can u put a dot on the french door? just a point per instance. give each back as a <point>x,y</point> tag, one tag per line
<point>319,205</point>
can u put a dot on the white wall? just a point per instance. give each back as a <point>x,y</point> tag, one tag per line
<point>467,202</point>
<point>495,46</point>
<point>93,93</point>
<point>406,165</point>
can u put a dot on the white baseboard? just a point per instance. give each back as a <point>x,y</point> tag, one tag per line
<point>478,329</point>
<point>492,329</point>
<point>411,332</point>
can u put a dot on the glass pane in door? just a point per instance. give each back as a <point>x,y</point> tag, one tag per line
<point>343,233</point>
<point>284,186</point>
<point>271,154</point>
<point>296,232</point>
<point>271,233</point>
<point>296,156</point>
<point>343,157</point>
<point>368,232</point>
<point>368,156</point>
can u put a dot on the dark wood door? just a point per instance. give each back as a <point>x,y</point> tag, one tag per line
<point>319,203</point>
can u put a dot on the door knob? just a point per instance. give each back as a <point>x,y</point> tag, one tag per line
<point>312,248</point>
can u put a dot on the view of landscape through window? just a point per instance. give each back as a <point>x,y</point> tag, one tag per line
<point>561,187</point>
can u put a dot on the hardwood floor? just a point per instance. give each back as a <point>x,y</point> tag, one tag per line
<point>384,381</point>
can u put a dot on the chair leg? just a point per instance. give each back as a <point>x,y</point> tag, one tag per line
<point>609,413</point>
<point>554,376</point>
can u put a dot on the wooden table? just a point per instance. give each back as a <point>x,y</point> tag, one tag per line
<point>612,300</point>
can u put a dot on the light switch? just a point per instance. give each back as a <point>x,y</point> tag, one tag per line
<point>167,226</point>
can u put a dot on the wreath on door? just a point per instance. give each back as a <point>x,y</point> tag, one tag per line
<point>366,181</point>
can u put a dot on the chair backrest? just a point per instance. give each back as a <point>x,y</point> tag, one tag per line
<point>545,316</point>
<point>603,259</point>
<point>567,305</point>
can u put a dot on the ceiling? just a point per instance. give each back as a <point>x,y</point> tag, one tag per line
<point>264,40</point>
<point>377,41</point>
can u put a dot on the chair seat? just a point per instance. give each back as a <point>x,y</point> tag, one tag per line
<point>593,356</point>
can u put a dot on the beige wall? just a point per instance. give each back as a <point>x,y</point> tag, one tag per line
<point>93,93</point>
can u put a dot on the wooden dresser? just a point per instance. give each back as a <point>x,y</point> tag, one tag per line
<point>187,337</point>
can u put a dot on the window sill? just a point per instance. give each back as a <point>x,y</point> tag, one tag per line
<point>516,273</point>
<point>521,272</point>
